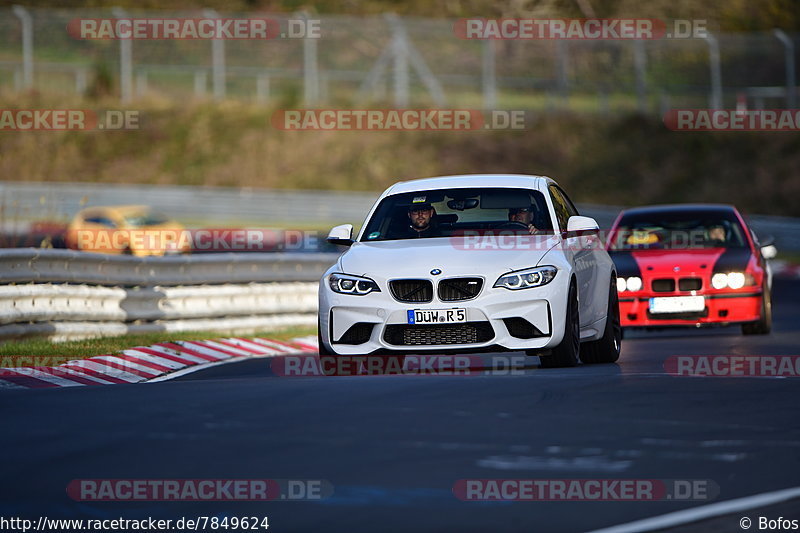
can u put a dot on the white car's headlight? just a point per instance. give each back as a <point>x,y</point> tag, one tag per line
<point>733,280</point>
<point>347,284</point>
<point>527,278</point>
<point>633,284</point>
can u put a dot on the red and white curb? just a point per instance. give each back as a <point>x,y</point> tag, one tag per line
<point>151,363</point>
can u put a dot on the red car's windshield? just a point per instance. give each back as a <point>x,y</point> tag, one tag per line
<point>678,230</point>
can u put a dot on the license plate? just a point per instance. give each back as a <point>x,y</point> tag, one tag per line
<point>677,304</point>
<point>436,316</point>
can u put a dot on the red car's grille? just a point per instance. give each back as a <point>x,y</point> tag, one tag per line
<point>684,284</point>
<point>690,284</point>
<point>663,285</point>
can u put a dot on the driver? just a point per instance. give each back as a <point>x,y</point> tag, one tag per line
<point>422,223</point>
<point>717,234</point>
<point>523,215</point>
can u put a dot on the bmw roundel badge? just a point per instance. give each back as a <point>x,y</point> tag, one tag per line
<point>436,272</point>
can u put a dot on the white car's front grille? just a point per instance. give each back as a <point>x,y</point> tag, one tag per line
<point>411,290</point>
<point>459,289</point>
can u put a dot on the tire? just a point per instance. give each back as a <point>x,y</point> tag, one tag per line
<point>567,352</point>
<point>763,325</point>
<point>606,349</point>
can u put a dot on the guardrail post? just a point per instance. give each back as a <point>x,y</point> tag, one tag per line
<point>27,45</point>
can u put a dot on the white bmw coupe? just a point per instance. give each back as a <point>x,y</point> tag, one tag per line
<point>472,263</point>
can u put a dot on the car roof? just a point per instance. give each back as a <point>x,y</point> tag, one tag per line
<point>469,180</point>
<point>124,209</point>
<point>673,208</point>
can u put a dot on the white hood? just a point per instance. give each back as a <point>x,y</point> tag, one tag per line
<point>454,256</point>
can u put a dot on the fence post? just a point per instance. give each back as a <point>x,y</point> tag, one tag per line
<point>640,63</point>
<point>125,63</point>
<point>562,67</point>
<point>310,69</point>
<point>217,61</point>
<point>262,88</point>
<point>80,81</point>
<point>791,88</point>
<point>489,75</point>
<point>400,56</point>
<point>27,45</point>
<point>141,82</point>
<point>200,82</point>
<point>715,100</point>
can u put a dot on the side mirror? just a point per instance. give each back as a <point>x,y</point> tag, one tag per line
<point>341,235</point>
<point>578,225</point>
<point>768,251</point>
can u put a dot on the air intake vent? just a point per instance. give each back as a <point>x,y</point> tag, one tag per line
<point>522,329</point>
<point>411,290</point>
<point>438,334</point>
<point>358,333</point>
<point>459,289</point>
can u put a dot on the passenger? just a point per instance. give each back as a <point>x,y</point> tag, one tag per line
<point>523,215</point>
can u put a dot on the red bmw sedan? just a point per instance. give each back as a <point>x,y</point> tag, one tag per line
<point>691,265</point>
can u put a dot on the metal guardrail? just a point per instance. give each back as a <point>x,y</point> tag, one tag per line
<point>64,294</point>
<point>25,265</point>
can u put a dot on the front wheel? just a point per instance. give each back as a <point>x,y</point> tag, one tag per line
<point>764,325</point>
<point>567,352</point>
<point>606,349</point>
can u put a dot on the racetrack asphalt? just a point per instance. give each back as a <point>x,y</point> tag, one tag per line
<point>393,447</point>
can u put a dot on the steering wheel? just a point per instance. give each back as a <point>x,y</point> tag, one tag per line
<point>512,224</point>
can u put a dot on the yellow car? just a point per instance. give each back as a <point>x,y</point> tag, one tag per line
<point>126,229</point>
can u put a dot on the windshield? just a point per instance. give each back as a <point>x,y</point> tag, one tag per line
<point>447,212</point>
<point>145,218</point>
<point>678,230</point>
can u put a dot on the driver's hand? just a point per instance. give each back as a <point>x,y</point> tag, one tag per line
<point>532,229</point>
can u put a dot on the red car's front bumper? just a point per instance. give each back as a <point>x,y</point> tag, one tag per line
<point>721,308</point>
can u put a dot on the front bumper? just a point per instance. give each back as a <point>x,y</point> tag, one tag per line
<point>720,308</point>
<point>490,320</point>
